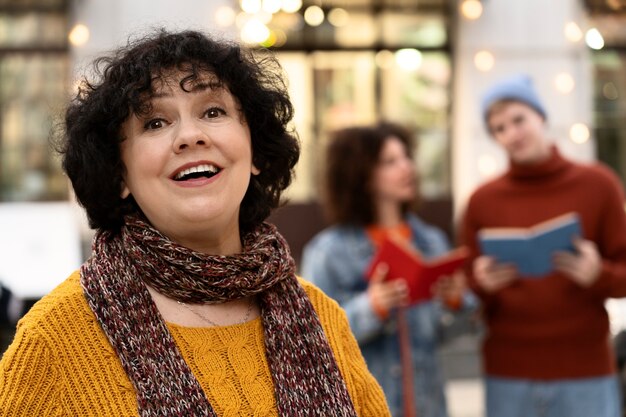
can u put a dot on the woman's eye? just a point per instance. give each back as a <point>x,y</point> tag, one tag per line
<point>214,112</point>
<point>154,124</point>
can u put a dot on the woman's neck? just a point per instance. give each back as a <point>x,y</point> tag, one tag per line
<point>389,214</point>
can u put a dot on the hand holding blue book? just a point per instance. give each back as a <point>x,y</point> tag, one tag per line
<point>531,249</point>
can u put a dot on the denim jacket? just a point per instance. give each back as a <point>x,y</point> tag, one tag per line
<point>335,260</point>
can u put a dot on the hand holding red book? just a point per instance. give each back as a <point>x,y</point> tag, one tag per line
<point>405,262</point>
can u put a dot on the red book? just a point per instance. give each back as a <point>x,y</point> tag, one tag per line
<point>405,262</point>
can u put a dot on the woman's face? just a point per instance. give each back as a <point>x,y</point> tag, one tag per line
<point>188,163</point>
<point>394,178</point>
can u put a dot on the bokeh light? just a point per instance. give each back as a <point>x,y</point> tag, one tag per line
<point>338,17</point>
<point>594,39</point>
<point>408,59</point>
<point>484,60</point>
<point>271,6</point>
<point>251,6</point>
<point>572,31</point>
<point>471,9</point>
<point>79,35</point>
<point>254,31</point>
<point>384,59</point>
<point>291,6</point>
<point>225,16</point>
<point>314,15</point>
<point>564,83</point>
<point>579,133</point>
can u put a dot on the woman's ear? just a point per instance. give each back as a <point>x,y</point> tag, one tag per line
<point>125,191</point>
<point>255,170</point>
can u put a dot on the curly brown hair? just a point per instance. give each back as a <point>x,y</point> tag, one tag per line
<point>127,81</point>
<point>351,157</point>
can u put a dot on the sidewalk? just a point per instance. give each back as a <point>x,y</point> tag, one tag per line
<point>465,397</point>
<point>461,366</point>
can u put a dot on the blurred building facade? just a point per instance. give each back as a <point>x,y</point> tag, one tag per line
<point>423,63</point>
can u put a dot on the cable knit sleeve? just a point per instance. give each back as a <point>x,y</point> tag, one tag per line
<point>366,393</point>
<point>28,378</point>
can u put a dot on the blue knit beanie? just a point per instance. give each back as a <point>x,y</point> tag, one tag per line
<point>519,88</point>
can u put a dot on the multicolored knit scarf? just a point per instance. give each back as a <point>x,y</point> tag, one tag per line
<point>307,381</point>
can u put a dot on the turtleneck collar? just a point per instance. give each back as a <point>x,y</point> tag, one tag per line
<point>555,163</point>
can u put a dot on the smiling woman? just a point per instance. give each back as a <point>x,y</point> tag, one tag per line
<point>189,304</point>
<point>188,161</point>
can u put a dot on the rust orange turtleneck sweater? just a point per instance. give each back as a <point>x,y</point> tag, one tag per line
<point>551,328</point>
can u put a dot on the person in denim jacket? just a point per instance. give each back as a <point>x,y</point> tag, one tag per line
<point>370,189</point>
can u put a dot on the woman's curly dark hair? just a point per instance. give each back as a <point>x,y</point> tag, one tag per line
<point>351,158</point>
<point>93,120</point>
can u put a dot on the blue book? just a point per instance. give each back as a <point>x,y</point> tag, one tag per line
<point>531,249</point>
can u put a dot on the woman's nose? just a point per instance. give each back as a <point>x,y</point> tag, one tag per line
<point>189,135</point>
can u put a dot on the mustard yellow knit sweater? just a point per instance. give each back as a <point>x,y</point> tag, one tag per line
<point>61,363</point>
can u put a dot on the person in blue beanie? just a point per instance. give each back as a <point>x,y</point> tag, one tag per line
<point>547,350</point>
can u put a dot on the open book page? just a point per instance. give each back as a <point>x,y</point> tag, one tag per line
<point>531,249</point>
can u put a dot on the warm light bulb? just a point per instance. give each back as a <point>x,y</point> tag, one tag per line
<point>484,61</point>
<point>225,16</point>
<point>254,31</point>
<point>471,9</point>
<point>251,6</point>
<point>572,32</point>
<point>564,83</point>
<point>314,15</point>
<point>338,17</point>
<point>291,6</point>
<point>594,39</point>
<point>79,35</point>
<point>408,59</point>
<point>271,6</point>
<point>579,133</point>
<point>384,58</point>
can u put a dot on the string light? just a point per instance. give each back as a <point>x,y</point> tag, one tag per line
<point>408,59</point>
<point>291,6</point>
<point>471,9</point>
<point>594,39</point>
<point>79,35</point>
<point>384,58</point>
<point>271,6</point>
<point>564,83</point>
<point>251,6</point>
<point>579,133</point>
<point>338,17</point>
<point>484,61</point>
<point>225,16</point>
<point>254,31</point>
<point>314,15</point>
<point>572,32</point>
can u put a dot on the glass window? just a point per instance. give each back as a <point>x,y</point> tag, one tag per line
<point>401,30</point>
<point>351,88</point>
<point>384,59</point>
<point>32,30</point>
<point>610,108</point>
<point>419,96</point>
<point>34,68</point>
